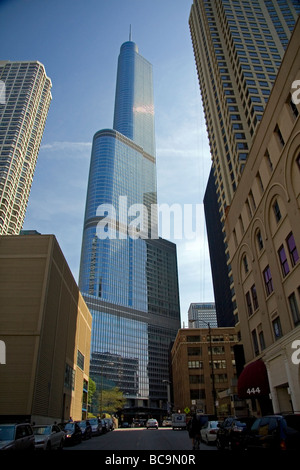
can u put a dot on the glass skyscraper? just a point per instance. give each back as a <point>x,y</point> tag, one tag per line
<point>128,275</point>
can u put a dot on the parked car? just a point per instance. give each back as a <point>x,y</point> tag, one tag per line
<point>167,423</point>
<point>96,424</point>
<point>209,431</point>
<point>48,437</point>
<point>16,437</point>
<point>277,432</point>
<point>233,432</point>
<point>73,434</point>
<point>152,423</point>
<point>86,429</point>
<point>109,424</point>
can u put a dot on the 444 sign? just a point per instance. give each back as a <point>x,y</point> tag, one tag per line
<point>253,391</point>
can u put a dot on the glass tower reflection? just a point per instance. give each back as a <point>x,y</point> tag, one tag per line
<point>130,284</point>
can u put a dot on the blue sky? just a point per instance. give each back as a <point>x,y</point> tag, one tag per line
<point>78,41</point>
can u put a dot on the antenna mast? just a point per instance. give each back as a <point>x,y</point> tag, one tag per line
<point>130,33</point>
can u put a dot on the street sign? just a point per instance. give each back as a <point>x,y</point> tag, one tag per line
<point>187,410</point>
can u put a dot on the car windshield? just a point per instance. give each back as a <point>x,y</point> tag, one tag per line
<point>214,424</point>
<point>7,433</point>
<point>82,424</point>
<point>69,426</point>
<point>94,421</point>
<point>41,430</point>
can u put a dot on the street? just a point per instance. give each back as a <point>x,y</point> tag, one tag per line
<point>141,439</point>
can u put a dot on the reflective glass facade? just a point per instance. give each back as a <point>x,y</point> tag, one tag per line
<point>129,283</point>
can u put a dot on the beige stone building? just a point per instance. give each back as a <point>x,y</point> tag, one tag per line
<point>263,233</point>
<point>45,326</point>
<point>195,383</point>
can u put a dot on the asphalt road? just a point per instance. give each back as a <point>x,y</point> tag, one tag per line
<point>140,440</point>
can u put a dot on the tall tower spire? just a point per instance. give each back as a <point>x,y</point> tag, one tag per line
<point>130,36</point>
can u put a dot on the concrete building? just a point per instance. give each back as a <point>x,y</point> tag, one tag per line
<point>238,47</point>
<point>201,314</point>
<point>46,328</point>
<point>263,232</point>
<point>25,96</point>
<point>203,367</point>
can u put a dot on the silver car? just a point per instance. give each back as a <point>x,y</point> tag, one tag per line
<point>48,437</point>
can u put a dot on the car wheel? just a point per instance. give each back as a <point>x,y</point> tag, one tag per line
<point>48,446</point>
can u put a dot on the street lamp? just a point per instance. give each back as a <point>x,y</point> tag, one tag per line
<point>211,360</point>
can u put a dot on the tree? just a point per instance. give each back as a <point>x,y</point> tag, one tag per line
<point>111,400</point>
<point>91,390</point>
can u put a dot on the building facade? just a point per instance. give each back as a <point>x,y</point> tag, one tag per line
<point>238,47</point>
<point>203,367</point>
<point>128,275</point>
<point>262,227</point>
<point>202,314</point>
<point>46,328</point>
<point>23,111</point>
<point>217,255</point>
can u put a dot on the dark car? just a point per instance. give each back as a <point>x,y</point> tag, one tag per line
<point>86,429</point>
<point>73,434</point>
<point>233,432</point>
<point>16,437</point>
<point>276,432</point>
<point>109,424</point>
<point>96,424</point>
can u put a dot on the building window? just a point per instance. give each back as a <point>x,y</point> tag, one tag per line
<point>262,341</point>
<point>277,328</point>
<point>280,137</point>
<point>255,343</point>
<point>254,297</point>
<point>294,308</point>
<point>195,364</point>
<point>245,262</point>
<point>292,248</point>
<point>294,108</point>
<point>196,379</point>
<point>268,280</point>
<point>276,210</point>
<point>298,161</point>
<point>249,304</point>
<point>259,240</point>
<point>69,381</point>
<point>197,394</point>
<point>283,261</point>
<point>80,360</point>
<point>195,351</point>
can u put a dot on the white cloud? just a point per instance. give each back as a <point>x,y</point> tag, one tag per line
<point>80,148</point>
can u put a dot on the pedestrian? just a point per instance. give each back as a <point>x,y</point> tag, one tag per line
<point>194,431</point>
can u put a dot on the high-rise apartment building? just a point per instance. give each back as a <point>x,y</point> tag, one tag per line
<point>25,100</point>
<point>128,275</point>
<point>238,47</point>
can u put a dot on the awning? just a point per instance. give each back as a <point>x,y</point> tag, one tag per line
<point>253,381</point>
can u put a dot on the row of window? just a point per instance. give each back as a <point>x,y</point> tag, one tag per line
<point>290,245</point>
<point>258,339</point>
